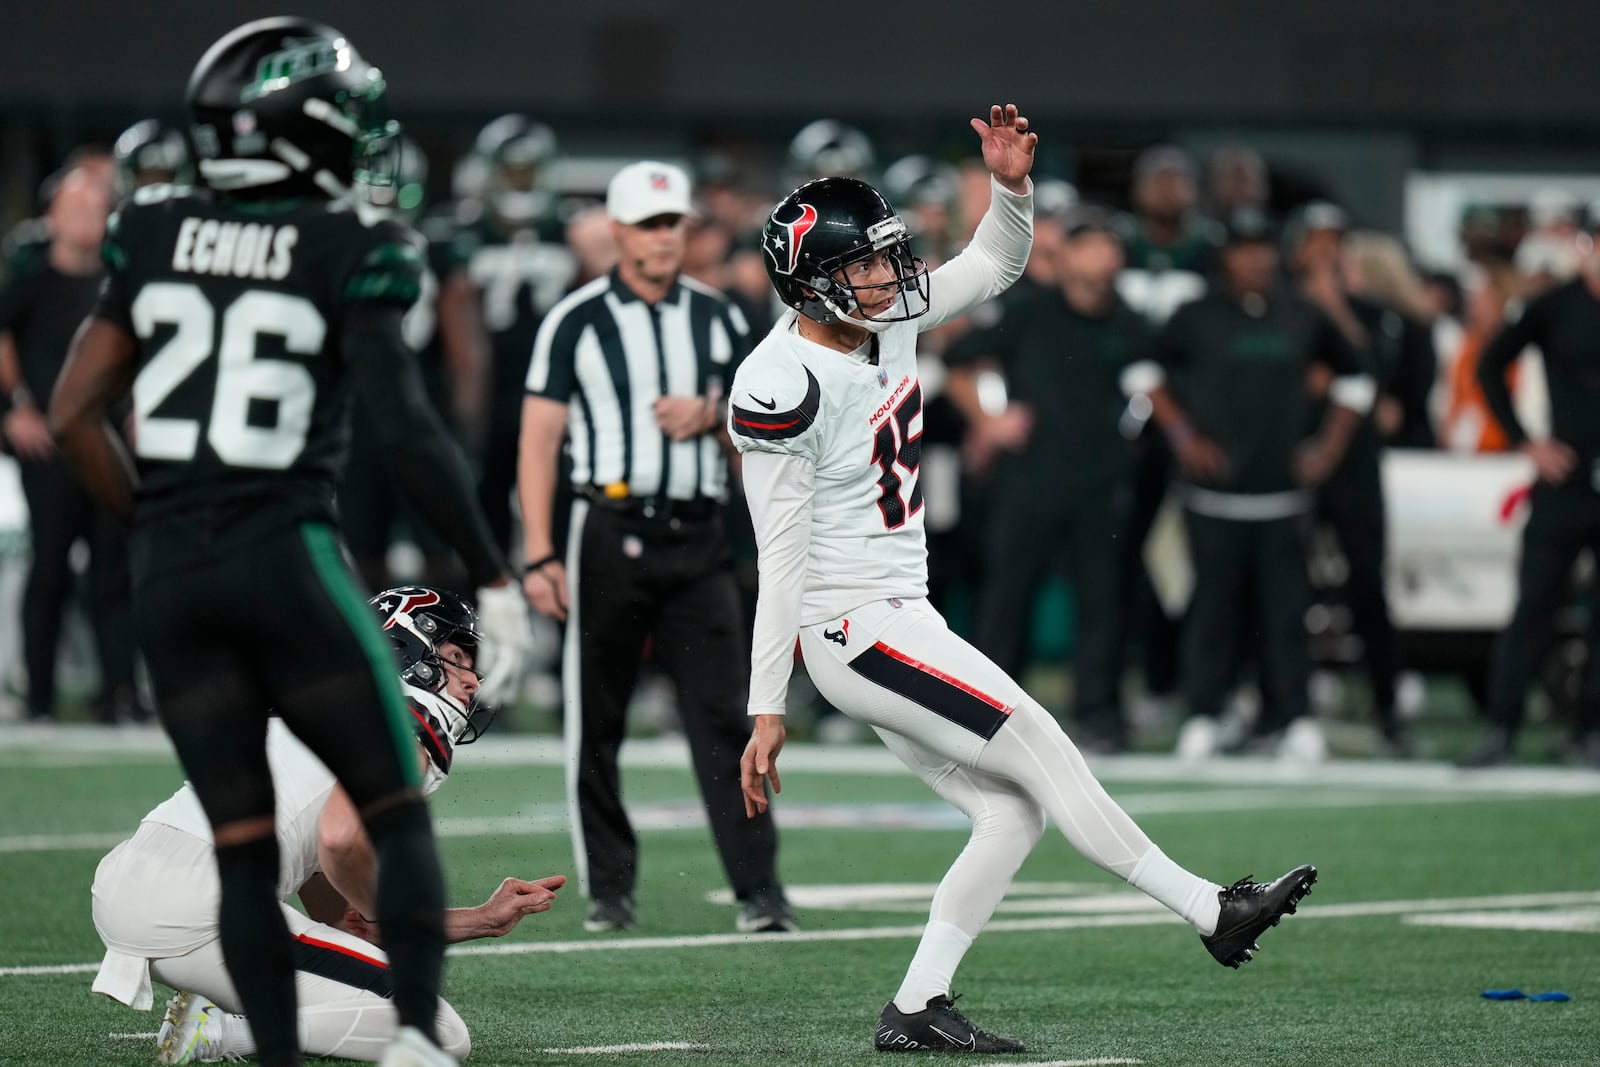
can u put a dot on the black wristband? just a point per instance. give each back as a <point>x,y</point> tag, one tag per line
<point>537,564</point>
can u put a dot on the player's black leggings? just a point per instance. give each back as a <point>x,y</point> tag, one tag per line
<point>278,626</point>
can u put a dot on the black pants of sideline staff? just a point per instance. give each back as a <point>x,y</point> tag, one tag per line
<point>668,581</point>
<point>1352,503</point>
<point>1250,592</point>
<point>1564,521</point>
<point>60,511</point>
<point>1024,537</point>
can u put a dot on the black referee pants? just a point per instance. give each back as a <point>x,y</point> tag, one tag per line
<point>1564,521</point>
<point>1250,582</point>
<point>634,580</point>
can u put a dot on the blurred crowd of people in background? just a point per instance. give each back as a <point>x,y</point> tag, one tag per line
<point>1187,353</point>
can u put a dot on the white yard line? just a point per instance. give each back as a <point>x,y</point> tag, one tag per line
<point>1074,922</point>
<point>49,968</point>
<point>24,745</point>
<point>1358,909</point>
<point>690,815</point>
<point>1575,920</point>
<point>638,1046</point>
<point>695,1046</point>
<point>61,842</point>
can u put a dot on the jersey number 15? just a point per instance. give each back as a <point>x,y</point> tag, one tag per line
<point>893,445</point>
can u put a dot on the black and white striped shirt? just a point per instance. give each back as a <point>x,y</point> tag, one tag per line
<point>609,355</point>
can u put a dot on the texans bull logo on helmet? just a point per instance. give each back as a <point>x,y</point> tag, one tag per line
<point>404,601</point>
<point>787,244</point>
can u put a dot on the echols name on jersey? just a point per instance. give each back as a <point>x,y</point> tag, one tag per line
<point>839,517</point>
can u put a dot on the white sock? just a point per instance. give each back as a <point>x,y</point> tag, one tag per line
<point>938,955</point>
<point>235,1035</point>
<point>1189,895</point>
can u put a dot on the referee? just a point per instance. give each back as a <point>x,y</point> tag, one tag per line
<point>634,365</point>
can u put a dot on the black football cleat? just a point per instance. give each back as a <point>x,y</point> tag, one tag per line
<point>939,1027</point>
<point>766,912</point>
<point>610,915</point>
<point>1250,908</point>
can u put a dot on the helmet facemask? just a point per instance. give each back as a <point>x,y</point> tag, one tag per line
<point>431,671</point>
<point>375,148</point>
<point>891,239</point>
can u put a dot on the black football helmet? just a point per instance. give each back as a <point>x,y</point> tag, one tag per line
<point>827,147</point>
<point>514,157</point>
<point>823,227</point>
<point>922,180</point>
<point>417,620</point>
<point>286,107</point>
<point>151,153</point>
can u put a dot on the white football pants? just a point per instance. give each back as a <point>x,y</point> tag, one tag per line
<point>335,1019</point>
<point>155,896</point>
<point>981,743</point>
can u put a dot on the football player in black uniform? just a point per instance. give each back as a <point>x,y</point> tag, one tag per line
<point>521,266</point>
<point>445,327</point>
<point>151,153</point>
<point>242,315</point>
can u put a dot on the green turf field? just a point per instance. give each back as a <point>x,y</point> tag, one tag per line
<point>1435,886</point>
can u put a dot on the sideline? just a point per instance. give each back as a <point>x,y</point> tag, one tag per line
<point>48,745</point>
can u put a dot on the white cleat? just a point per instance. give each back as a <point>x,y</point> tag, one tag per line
<point>411,1049</point>
<point>1303,742</point>
<point>1198,739</point>
<point>191,1032</point>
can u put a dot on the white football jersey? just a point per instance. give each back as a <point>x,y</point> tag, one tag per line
<point>832,444</point>
<point>860,425</point>
<point>301,786</point>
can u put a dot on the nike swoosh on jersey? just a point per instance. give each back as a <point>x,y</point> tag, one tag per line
<point>761,426</point>
<point>770,405</point>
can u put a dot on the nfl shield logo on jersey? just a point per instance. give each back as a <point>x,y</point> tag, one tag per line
<point>883,378</point>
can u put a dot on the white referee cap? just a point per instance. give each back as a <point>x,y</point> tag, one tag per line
<point>644,190</point>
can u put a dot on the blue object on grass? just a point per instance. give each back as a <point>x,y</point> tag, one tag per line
<point>1517,994</point>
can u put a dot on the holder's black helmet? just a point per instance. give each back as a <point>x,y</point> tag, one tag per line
<point>416,620</point>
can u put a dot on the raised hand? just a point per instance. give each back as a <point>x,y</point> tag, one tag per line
<point>1007,146</point>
